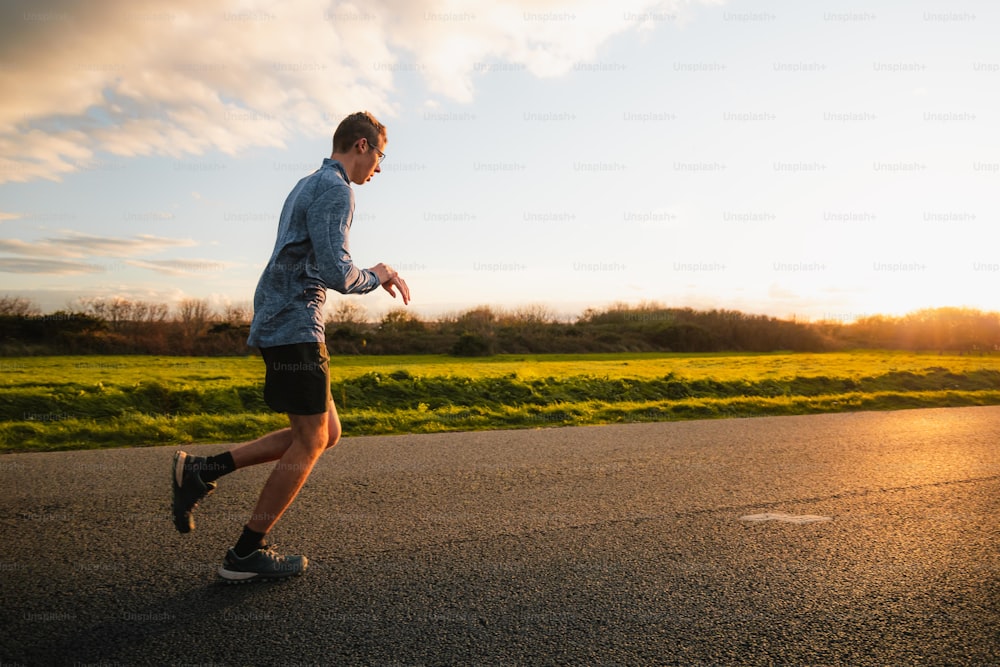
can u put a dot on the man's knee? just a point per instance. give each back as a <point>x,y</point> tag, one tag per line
<point>316,441</point>
<point>310,432</point>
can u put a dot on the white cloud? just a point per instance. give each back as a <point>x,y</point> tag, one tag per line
<point>49,266</point>
<point>75,245</point>
<point>451,44</point>
<point>182,77</point>
<point>170,77</point>
<point>182,267</point>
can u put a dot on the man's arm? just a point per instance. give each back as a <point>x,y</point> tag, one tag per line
<point>328,221</point>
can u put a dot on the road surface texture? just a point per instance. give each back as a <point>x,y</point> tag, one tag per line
<point>605,545</point>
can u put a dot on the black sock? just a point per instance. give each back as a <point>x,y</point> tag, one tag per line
<point>249,542</point>
<point>217,466</point>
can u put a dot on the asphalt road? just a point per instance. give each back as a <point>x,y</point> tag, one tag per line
<point>608,545</point>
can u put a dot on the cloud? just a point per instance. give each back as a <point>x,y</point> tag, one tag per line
<point>453,45</point>
<point>75,244</point>
<point>182,267</point>
<point>183,77</point>
<point>50,266</point>
<point>170,77</point>
<point>9,216</point>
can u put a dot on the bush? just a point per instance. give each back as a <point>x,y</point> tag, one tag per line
<point>472,345</point>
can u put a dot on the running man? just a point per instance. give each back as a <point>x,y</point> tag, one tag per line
<point>310,256</point>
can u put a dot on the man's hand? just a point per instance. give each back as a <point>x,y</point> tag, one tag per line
<point>389,279</point>
<point>396,281</point>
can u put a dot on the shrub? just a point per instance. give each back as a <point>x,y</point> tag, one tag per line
<point>472,345</point>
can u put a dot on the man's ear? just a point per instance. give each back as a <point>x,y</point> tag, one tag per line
<point>359,146</point>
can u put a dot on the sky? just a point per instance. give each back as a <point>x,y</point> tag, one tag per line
<point>810,160</point>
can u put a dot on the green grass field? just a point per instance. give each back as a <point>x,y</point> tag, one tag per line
<point>52,403</point>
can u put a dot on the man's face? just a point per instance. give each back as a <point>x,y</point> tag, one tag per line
<point>368,161</point>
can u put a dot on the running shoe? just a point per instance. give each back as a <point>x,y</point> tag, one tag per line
<point>261,564</point>
<point>188,489</point>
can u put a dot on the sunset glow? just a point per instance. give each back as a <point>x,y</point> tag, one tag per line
<point>821,161</point>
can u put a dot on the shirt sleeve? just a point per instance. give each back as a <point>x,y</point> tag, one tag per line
<point>329,221</point>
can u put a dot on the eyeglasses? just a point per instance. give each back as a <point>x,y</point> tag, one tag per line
<point>381,155</point>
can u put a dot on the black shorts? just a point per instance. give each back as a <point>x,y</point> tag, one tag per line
<point>298,378</point>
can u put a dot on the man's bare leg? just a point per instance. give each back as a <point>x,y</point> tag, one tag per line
<point>272,446</point>
<point>269,447</point>
<point>308,437</point>
<point>297,449</point>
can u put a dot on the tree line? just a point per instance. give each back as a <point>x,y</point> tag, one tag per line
<point>193,327</point>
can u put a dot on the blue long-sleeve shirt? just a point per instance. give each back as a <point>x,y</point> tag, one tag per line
<point>310,256</point>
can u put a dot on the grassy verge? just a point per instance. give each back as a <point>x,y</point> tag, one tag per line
<point>57,403</point>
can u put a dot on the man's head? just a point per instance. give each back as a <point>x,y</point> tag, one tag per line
<point>358,143</point>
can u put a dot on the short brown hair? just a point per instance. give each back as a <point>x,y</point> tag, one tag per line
<point>357,126</point>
